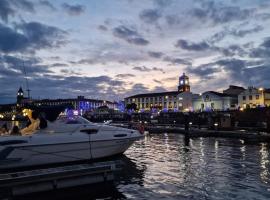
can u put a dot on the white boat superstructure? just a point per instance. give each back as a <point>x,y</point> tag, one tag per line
<point>68,139</point>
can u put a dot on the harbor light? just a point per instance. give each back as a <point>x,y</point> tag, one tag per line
<point>216,124</point>
<point>190,123</point>
<point>241,109</point>
<point>13,117</point>
<point>261,89</point>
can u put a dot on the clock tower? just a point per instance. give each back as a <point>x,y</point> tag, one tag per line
<point>20,96</point>
<point>184,83</point>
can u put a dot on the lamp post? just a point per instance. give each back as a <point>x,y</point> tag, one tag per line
<point>261,89</point>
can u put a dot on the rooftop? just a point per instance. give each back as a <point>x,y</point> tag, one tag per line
<point>171,93</point>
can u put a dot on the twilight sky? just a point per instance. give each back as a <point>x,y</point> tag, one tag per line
<point>110,49</point>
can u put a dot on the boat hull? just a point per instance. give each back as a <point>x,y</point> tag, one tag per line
<point>38,155</point>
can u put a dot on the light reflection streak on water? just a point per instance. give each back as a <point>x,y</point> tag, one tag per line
<point>203,168</point>
<point>264,163</point>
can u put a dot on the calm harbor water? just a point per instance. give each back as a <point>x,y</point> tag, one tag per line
<point>166,166</point>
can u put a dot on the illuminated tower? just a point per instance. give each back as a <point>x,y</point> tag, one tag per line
<point>184,84</point>
<point>20,96</point>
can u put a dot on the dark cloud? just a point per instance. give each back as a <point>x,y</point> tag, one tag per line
<point>150,16</point>
<point>5,10</point>
<point>47,4</point>
<point>157,81</point>
<point>73,10</point>
<point>123,76</point>
<point>263,51</point>
<point>266,43</point>
<point>129,35</point>
<point>177,60</point>
<point>173,20</point>
<point>218,13</point>
<point>241,71</point>
<point>147,69</point>
<point>204,71</point>
<point>32,35</point>
<point>24,5</point>
<point>190,46</point>
<point>9,8</point>
<point>102,28</point>
<point>18,66</point>
<point>232,50</point>
<point>162,3</point>
<point>59,65</point>
<point>155,54</point>
<point>234,32</point>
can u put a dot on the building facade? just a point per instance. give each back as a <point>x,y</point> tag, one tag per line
<point>254,97</point>
<point>174,100</point>
<point>214,101</point>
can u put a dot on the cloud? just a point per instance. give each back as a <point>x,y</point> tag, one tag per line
<point>262,51</point>
<point>217,37</point>
<point>147,69</point>
<point>24,5</point>
<point>150,16</point>
<point>59,65</point>
<point>155,54</point>
<point>177,60</point>
<point>157,81</point>
<point>73,10</point>
<point>129,35</point>
<point>5,10</point>
<point>47,4</point>
<point>204,71</point>
<point>162,3</point>
<point>9,8</point>
<point>102,28</point>
<point>30,36</point>
<point>17,66</point>
<point>173,20</point>
<point>218,13</point>
<point>190,46</point>
<point>123,76</point>
<point>238,71</point>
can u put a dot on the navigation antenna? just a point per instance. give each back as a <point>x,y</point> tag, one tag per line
<point>26,81</point>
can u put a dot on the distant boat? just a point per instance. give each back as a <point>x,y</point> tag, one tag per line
<point>68,139</point>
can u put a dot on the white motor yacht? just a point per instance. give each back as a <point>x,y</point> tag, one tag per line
<point>68,139</point>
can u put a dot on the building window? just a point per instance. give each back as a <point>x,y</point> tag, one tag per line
<point>244,98</point>
<point>250,97</point>
<point>257,96</point>
<point>160,99</point>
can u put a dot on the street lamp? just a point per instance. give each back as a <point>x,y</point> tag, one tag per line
<point>261,89</point>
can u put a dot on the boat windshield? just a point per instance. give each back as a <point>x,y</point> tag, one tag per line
<point>72,120</point>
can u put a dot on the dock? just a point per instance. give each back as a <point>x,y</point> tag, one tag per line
<point>246,135</point>
<point>41,180</point>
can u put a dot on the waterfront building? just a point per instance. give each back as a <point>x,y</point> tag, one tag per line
<point>214,101</point>
<point>172,100</point>
<point>254,97</point>
<point>81,104</point>
<point>234,90</point>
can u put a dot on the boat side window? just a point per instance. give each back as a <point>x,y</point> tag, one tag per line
<point>73,122</point>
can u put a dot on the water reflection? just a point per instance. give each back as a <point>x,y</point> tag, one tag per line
<point>171,166</point>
